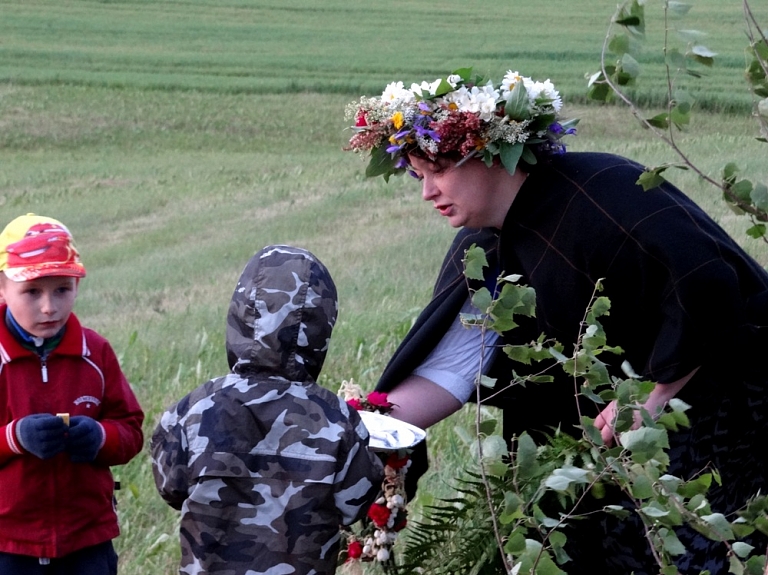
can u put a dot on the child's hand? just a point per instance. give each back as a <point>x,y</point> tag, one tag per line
<point>42,434</point>
<point>86,437</point>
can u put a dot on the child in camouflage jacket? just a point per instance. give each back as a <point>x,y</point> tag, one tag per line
<point>265,464</point>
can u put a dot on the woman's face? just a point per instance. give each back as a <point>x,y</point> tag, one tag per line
<point>468,195</point>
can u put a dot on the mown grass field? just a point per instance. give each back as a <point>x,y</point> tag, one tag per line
<point>177,138</point>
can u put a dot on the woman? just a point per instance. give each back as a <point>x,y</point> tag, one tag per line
<point>490,161</point>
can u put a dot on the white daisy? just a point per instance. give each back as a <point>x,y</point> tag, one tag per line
<point>395,93</point>
<point>546,90</point>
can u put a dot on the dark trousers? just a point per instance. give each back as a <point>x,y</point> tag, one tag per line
<point>100,559</point>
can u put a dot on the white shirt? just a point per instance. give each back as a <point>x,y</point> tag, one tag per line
<point>454,364</point>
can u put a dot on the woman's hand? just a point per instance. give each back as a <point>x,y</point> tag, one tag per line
<point>657,400</point>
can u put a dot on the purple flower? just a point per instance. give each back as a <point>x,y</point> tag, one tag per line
<point>422,127</point>
<point>426,132</point>
<point>557,149</point>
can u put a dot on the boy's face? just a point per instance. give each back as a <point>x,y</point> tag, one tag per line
<point>40,306</point>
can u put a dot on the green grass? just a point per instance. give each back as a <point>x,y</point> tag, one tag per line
<point>339,46</point>
<point>177,138</point>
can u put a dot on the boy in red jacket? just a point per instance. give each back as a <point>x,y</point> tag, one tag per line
<point>67,412</point>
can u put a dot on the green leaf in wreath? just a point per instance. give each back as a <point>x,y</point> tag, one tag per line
<point>464,73</point>
<point>528,156</point>
<point>510,155</point>
<point>517,105</point>
<point>381,163</point>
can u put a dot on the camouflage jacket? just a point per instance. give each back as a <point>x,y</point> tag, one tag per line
<point>263,463</point>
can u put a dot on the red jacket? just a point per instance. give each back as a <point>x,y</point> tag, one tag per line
<point>50,508</point>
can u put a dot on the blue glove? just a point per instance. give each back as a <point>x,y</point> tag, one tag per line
<point>85,439</point>
<point>42,434</point>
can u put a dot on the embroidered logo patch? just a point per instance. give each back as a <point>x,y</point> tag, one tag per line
<point>88,400</point>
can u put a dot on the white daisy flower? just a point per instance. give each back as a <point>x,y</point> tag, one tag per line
<point>483,101</point>
<point>425,88</point>
<point>546,90</point>
<point>511,79</point>
<point>460,98</point>
<point>395,93</point>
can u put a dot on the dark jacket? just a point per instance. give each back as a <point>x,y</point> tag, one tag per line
<point>683,295</point>
<point>265,464</point>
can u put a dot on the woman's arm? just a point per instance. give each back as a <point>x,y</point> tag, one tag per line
<point>421,402</point>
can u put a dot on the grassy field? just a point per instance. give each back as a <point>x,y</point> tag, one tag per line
<point>177,138</point>
<point>338,46</point>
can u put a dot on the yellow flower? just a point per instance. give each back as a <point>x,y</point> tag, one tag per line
<point>397,120</point>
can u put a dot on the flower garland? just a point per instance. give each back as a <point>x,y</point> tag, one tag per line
<point>460,116</point>
<point>387,515</point>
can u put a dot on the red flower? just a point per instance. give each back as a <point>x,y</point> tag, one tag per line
<point>355,404</point>
<point>354,550</point>
<point>361,120</point>
<point>379,514</point>
<point>378,399</point>
<point>396,462</point>
<point>459,132</point>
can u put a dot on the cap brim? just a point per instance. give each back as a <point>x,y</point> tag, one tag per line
<point>28,273</point>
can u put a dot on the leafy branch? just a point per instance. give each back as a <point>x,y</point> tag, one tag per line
<point>619,69</point>
<point>512,510</point>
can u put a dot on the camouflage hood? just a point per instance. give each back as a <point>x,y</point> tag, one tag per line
<point>281,315</point>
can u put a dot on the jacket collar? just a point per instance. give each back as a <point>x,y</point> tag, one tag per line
<point>73,342</point>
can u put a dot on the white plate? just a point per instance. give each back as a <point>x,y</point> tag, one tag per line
<point>388,433</point>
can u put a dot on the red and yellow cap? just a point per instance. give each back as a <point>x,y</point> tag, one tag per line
<point>34,246</point>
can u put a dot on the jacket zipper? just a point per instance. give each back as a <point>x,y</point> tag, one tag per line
<point>44,367</point>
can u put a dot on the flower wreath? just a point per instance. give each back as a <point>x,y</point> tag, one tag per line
<point>387,515</point>
<point>459,115</point>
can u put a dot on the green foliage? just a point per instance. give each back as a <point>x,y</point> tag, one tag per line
<point>175,139</point>
<point>510,513</point>
<point>742,196</point>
